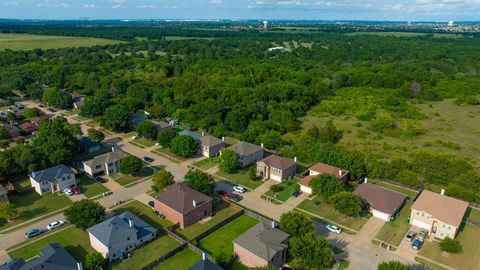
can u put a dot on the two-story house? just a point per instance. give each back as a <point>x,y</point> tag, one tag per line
<point>276,168</point>
<point>322,168</point>
<point>210,146</point>
<point>247,153</point>
<point>105,164</point>
<point>53,179</point>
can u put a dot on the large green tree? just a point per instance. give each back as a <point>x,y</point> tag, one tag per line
<point>312,252</point>
<point>95,134</point>
<point>85,213</point>
<point>162,179</point>
<point>326,185</point>
<point>165,137</point>
<point>347,203</point>
<point>392,265</point>
<point>130,165</point>
<point>8,211</point>
<point>147,130</point>
<point>296,224</point>
<point>56,98</point>
<point>228,161</point>
<point>200,181</point>
<point>116,117</point>
<point>184,146</point>
<point>94,261</point>
<point>4,133</point>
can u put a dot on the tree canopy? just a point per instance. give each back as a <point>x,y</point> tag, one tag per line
<point>85,213</point>
<point>200,181</point>
<point>228,161</point>
<point>130,165</point>
<point>184,146</point>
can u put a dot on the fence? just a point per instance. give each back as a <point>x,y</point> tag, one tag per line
<point>218,226</point>
<point>473,222</point>
<point>163,258</point>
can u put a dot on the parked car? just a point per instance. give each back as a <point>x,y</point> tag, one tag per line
<point>51,110</point>
<point>135,136</point>
<point>296,193</point>
<point>75,190</point>
<point>151,203</point>
<point>411,235</point>
<point>148,159</point>
<point>417,244</point>
<point>333,228</point>
<point>100,179</point>
<point>222,193</point>
<point>239,189</point>
<point>34,232</point>
<point>55,224</point>
<point>233,197</point>
<point>422,235</point>
<point>68,192</point>
<point>41,106</point>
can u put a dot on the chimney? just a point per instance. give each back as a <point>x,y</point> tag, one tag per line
<point>274,224</point>
<point>366,180</point>
<point>130,222</point>
<point>34,174</point>
<point>204,256</point>
<point>113,149</point>
<point>295,159</point>
<point>194,203</point>
<point>261,145</point>
<point>223,138</point>
<point>79,266</point>
<point>340,172</point>
<point>442,192</point>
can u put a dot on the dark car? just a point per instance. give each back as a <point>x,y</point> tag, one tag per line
<point>410,236</point>
<point>233,197</point>
<point>296,193</point>
<point>41,106</point>
<point>417,244</point>
<point>75,189</point>
<point>151,203</point>
<point>148,159</point>
<point>50,110</point>
<point>222,193</point>
<point>100,179</point>
<point>34,232</point>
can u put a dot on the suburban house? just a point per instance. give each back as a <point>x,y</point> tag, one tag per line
<point>137,119</point>
<point>161,125</point>
<point>184,205</point>
<point>3,193</point>
<point>383,203</point>
<point>205,264</point>
<point>195,135</point>
<point>321,168</point>
<point>247,153</point>
<point>86,144</point>
<point>53,179</point>
<point>276,168</point>
<point>78,100</point>
<point>439,214</point>
<point>13,131</point>
<point>210,146</point>
<point>115,237</point>
<point>52,257</point>
<point>262,245</point>
<point>33,124</point>
<point>107,164</point>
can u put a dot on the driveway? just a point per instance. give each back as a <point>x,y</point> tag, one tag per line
<point>370,229</point>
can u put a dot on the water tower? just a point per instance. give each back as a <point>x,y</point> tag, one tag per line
<point>265,24</point>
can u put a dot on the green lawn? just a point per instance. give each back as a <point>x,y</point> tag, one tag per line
<point>221,240</point>
<point>168,153</point>
<point>207,163</point>
<point>180,261</point>
<point>327,211</point>
<point>147,254</point>
<point>128,179</point>
<point>394,231</point>
<point>22,184</point>
<point>30,205</point>
<point>144,212</point>
<point>407,192</point>
<point>221,212</point>
<point>343,265</point>
<point>74,240</point>
<point>473,214</point>
<point>90,187</point>
<point>468,259</point>
<point>242,177</point>
<point>145,142</point>
<point>288,189</point>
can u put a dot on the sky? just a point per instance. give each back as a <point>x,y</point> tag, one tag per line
<point>415,10</point>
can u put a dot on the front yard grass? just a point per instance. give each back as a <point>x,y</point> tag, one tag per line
<point>469,258</point>
<point>207,163</point>
<point>90,187</point>
<point>74,240</point>
<point>393,232</point>
<point>144,212</point>
<point>181,261</point>
<point>146,254</point>
<point>221,212</point>
<point>30,205</point>
<point>22,184</point>
<point>242,177</point>
<point>144,142</point>
<point>405,191</point>
<point>220,241</point>
<point>289,187</point>
<point>166,152</point>
<point>126,179</point>
<point>327,211</point>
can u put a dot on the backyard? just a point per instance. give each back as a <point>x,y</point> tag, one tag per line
<point>144,212</point>
<point>220,241</point>
<point>242,177</point>
<point>181,261</point>
<point>394,231</point>
<point>128,179</point>
<point>405,191</point>
<point>288,187</point>
<point>207,163</point>
<point>90,187</point>
<point>166,152</point>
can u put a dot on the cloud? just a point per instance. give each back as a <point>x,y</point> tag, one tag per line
<point>11,3</point>
<point>90,6</point>
<point>146,6</point>
<point>216,2</point>
<point>48,4</point>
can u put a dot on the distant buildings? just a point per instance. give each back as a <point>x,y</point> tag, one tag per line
<point>86,144</point>
<point>53,179</point>
<point>279,48</point>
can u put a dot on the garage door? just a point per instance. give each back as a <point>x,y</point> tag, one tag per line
<point>276,177</point>
<point>421,224</point>
<point>380,215</point>
<point>306,189</point>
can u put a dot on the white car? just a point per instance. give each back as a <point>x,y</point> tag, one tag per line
<point>333,228</point>
<point>55,224</point>
<point>239,189</point>
<point>68,192</point>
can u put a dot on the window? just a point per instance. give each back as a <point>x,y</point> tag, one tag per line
<point>98,166</point>
<point>128,238</point>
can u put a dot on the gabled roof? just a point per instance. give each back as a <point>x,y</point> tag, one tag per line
<point>105,159</point>
<point>193,134</point>
<point>205,265</point>
<point>245,148</point>
<point>307,180</point>
<point>446,209</point>
<point>115,230</point>
<point>86,142</point>
<point>278,162</point>
<point>52,257</point>
<point>137,119</point>
<point>210,141</point>
<point>52,173</point>
<point>328,169</point>
<point>180,198</point>
<point>380,199</point>
<point>263,240</point>
<point>160,125</point>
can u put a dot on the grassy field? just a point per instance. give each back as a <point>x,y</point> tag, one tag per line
<point>468,259</point>
<point>128,179</point>
<point>207,163</point>
<point>74,240</point>
<point>144,212</point>
<point>394,231</point>
<point>29,42</point>
<point>181,261</point>
<point>90,187</point>
<point>221,240</point>
<point>242,177</point>
<point>473,213</point>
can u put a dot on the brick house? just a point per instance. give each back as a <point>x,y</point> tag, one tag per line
<point>276,168</point>
<point>262,245</point>
<point>107,164</point>
<point>321,168</point>
<point>439,214</point>
<point>53,179</point>
<point>119,235</point>
<point>383,203</point>
<point>210,146</point>
<point>184,205</point>
<point>33,124</point>
<point>247,153</point>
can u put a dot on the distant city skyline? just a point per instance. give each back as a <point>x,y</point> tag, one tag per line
<point>414,10</point>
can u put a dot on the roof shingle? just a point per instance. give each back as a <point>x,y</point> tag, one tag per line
<point>180,197</point>
<point>379,198</point>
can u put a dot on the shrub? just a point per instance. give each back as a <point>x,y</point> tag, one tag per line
<point>130,165</point>
<point>225,260</point>
<point>450,245</point>
<point>277,188</point>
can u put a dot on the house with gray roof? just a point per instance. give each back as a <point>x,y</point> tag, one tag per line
<point>195,135</point>
<point>247,153</point>
<point>105,164</point>
<point>53,179</point>
<point>210,146</point>
<point>52,257</point>
<point>115,237</point>
<point>205,264</point>
<point>262,245</point>
<point>88,145</point>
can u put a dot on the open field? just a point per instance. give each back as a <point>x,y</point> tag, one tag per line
<point>393,232</point>
<point>181,261</point>
<point>90,187</point>
<point>29,42</point>
<point>404,34</point>
<point>405,191</point>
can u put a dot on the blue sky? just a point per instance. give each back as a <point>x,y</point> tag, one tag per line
<point>416,10</point>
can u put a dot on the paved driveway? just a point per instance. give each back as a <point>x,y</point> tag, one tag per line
<point>370,229</point>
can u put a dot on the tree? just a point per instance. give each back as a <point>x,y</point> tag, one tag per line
<point>157,111</point>
<point>450,245</point>
<point>4,133</point>
<point>184,146</point>
<point>130,165</point>
<point>392,265</point>
<point>225,259</point>
<point>96,135</point>
<point>228,161</point>
<point>383,121</point>
<point>56,98</point>
<point>94,261</point>
<point>200,181</point>
<point>147,130</point>
<point>271,139</point>
<point>8,211</point>
<point>313,252</point>
<point>29,113</point>
<point>326,185</point>
<point>296,224</point>
<point>165,137</point>
<point>162,179</point>
<point>85,213</point>
<point>346,203</point>
<point>116,117</point>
